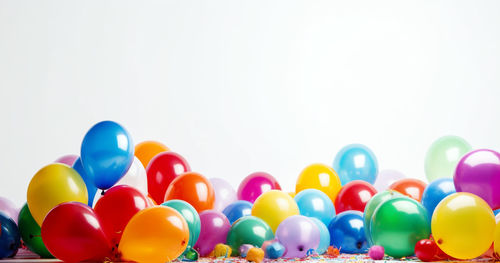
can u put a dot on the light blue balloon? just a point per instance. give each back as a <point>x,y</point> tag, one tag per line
<point>107,153</point>
<point>356,162</point>
<point>314,203</point>
<point>91,189</point>
<point>436,191</point>
<point>324,236</point>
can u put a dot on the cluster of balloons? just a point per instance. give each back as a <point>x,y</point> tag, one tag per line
<point>143,203</point>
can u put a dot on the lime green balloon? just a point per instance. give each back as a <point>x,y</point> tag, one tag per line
<point>31,233</point>
<point>398,224</point>
<point>248,230</point>
<point>370,207</point>
<point>443,156</point>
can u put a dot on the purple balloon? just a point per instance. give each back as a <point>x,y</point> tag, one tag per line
<point>298,234</point>
<point>385,178</point>
<point>478,172</point>
<point>9,208</point>
<point>256,184</point>
<point>214,229</point>
<point>67,159</point>
<point>224,194</point>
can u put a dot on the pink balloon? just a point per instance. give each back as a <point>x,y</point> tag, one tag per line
<point>224,194</point>
<point>67,159</point>
<point>256,184</point>
<point>214,229</point>
<point>9,208</point>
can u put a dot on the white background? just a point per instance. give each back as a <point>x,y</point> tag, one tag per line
<point>242,86</point>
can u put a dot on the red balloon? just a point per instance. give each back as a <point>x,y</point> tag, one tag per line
<point>116,207</point>
<point>256,184</point>
<point>426,250</point>
<point>193,188</point>
<point>72,232</point>
<point>354,196</point>
<point>413,188</point>
<point>161,170</point>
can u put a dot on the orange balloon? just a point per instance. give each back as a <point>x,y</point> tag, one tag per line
<point>193,188</point>
<point>412,188</point>
<point>155,234</point>
<point>145,151</point>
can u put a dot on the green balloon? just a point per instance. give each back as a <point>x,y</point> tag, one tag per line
<point>370,207</point>
<point>443,155</point>
<point>398,224</point>
<point>248,230</point>
<point>31,233</point>
<point>192,218</point>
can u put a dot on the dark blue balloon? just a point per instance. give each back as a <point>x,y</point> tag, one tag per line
<point>237,210</point>
<point>10,239</point>
<point>436,191</point>
<point>107,153</point>
<point>347,232</point>
<point>91,189</point>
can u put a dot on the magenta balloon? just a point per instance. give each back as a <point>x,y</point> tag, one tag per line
<point>214,229</point>
<point>9,208</point>
<point>478,172</point>
<point>298,234</point>
<point>67,159</point>
<point>224,194</point>
<point>256,184</point>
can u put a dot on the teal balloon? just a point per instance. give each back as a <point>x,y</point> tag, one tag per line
<point>192,219</point>
<point>370,207</point>
<point>324,236</point>
<point>248,230</point>
<point>356,162</point>
<point>398,224</point>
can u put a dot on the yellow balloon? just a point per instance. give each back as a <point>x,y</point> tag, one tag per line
<point>52,185</point>
<point>496,241</point>
<point>291,194</point>
<point>155,234</point>
<point>463,225</point>
<point>273,207</point>
<point>321,177</point>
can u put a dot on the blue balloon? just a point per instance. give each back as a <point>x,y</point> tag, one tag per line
<point>356,162</point>
<point>91,189</point>
<point>314,203</point>
<point>347,232</point>
<point>324,236</point>
<point>10,239</point>
<point>436,191</point>
<point>237,210</point>
<point>274,250</point>
<point>496,211</point>
<point>107,153</point>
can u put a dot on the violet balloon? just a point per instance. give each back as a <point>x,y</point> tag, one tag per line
<point>67,159</point>
<point>298,234</point>
<point>385,178</point>
<point>214,229</point>
<point>478,172</point>
<point>9,208</point>
<point>256,184</point>
<point>224,194</point>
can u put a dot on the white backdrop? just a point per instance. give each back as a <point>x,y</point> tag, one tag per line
<point>242,86</point>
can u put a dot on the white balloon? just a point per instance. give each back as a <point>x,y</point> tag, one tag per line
<point>224,193</point>
<point>386,177</point>
<point>136,177</point>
